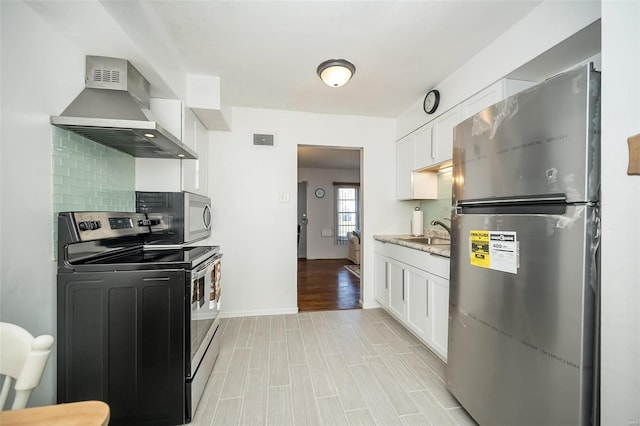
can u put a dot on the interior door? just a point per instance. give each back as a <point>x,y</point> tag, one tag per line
<point>302,220</point>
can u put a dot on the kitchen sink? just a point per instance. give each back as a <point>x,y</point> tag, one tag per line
<point>427,240</point>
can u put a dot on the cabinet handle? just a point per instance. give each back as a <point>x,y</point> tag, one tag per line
<point>427,301</point>
<point>433,147</point>
<point>403,285</point>
<point>386,275</point>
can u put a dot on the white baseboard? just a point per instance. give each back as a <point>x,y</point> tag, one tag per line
<point>259,312</point>
<point>370,304</point>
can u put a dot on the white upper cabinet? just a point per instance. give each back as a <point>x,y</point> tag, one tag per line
<point>172,174</point>
<point>433,142</point>
<point>195,172</point>
<point>431,145</point>
<point>160,174</point>
<point>443,134</point>
<point>169,113</point>
<point>404,166</point>
<point>412,185</point>
<point>497,92</point>
<point>202,148</point>
<point>424,148</point>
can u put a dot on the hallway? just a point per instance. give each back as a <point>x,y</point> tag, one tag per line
<point>326,284</point>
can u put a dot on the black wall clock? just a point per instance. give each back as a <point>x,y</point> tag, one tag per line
<point>319,192</point>
<point>431,101</point>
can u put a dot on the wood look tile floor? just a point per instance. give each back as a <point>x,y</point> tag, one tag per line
<point>325,284</point>
<point>347,367</point>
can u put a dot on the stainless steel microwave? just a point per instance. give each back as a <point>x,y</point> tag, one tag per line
<point>182,217</point>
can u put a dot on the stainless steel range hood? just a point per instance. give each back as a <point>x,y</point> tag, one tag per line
<point>113,110</point>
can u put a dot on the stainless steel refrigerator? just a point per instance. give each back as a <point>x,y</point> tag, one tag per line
<point>524,268</point>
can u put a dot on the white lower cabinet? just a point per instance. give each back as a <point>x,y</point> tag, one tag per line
<point>396,289</point>
<point>439,312</point>
<point>413,286</point>
<point>380,278</point>
<point>418,319</point>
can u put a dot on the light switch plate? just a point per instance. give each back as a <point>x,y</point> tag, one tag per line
<point>284,197</point>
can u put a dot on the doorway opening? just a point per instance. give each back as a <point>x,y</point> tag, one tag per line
<point>329,223</point>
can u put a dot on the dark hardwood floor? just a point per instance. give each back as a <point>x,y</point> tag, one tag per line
<point>325,285</point>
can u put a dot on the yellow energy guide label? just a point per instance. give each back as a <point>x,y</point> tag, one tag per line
<point>494,250</point>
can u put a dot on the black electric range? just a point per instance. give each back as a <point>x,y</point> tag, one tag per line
<point>136,322</point>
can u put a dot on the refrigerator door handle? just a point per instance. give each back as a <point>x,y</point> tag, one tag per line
<point>523,200</point>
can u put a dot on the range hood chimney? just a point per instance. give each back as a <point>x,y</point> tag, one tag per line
<point>113,110</point>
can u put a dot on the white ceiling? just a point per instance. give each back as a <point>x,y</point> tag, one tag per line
<point>266,52</point>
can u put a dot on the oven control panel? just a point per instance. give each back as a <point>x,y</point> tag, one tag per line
<point>89,225</point>
<point>100,225</point>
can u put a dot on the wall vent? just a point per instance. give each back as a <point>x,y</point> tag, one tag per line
<point>106,76</point>
<point>263,140</point>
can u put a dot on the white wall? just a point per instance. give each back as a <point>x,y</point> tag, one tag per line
<point>257,233</point>
<point>41,73</point>
<point>321,211</point>
<point>620,207</point>
<point>544,27</point>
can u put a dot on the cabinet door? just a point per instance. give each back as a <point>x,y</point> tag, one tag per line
<point>189,129</point>
<point>412,185</point>
<point>423,150</point>
<point>380,278</point>
<point>482,100</point>
<point>195,172</point>
<point>439,310</point>
<point>202,148</point>
<point>189,167</point>
<point>121,340</point>
<point>443,134</point>
<point>404,165</point>
<point>417,288</point>
<point>493,94</point>
<point>396,289</point>
<point>169,113</point>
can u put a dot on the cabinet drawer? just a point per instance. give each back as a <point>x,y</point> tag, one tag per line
<point>380,247</point>
<point>434,264</point>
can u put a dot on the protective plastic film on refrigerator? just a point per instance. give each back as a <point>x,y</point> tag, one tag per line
<point>525,237</point>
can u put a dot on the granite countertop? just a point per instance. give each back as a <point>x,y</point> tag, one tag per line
<point>437,249</point>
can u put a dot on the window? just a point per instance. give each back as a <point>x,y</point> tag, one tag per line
<point>347,210</point>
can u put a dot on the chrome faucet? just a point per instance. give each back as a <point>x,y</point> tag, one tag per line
<point>446,228</point>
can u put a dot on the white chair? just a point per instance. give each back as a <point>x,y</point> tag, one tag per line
<point>22,358</point>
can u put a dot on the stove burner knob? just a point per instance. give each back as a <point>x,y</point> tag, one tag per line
<point>83,226</point>
<point>97,224</point>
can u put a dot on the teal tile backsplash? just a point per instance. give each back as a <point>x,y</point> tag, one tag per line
<point>89,176</point>
<point>441,207</point>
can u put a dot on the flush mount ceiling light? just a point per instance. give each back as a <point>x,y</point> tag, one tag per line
<point>336,72</point>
